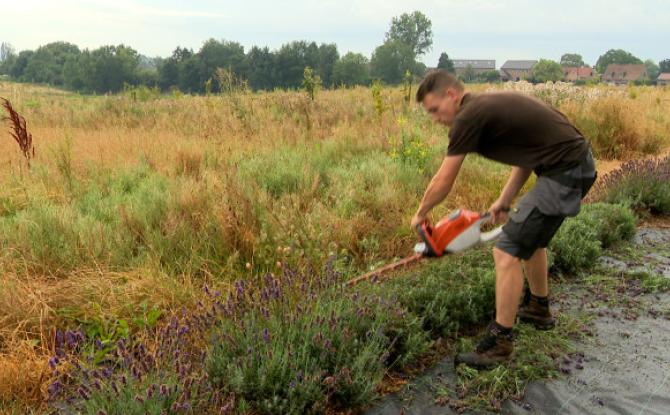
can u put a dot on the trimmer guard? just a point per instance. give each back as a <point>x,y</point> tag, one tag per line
<point>461,230</point>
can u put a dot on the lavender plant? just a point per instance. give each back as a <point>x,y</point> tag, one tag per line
<point>131,378</point>
<point>641,184</point>
<point>303,344</point>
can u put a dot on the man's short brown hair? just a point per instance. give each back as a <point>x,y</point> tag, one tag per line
<point>437,80</point>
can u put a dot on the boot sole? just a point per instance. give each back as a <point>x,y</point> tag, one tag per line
<point>538,324</point>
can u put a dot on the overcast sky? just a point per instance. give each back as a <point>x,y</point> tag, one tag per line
<point>501,30</point>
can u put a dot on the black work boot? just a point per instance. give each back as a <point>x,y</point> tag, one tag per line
<point>494,348</point>
<point>535,310</point>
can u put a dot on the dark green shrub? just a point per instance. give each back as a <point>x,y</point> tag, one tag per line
<point>576,245</point>
<point>450,293</point>
<point>614,222</point>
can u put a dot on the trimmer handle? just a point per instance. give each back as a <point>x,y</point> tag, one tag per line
<point>487,215</point>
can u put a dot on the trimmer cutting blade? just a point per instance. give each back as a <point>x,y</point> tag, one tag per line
<point>457,232</point>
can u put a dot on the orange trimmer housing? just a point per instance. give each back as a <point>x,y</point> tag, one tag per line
<point>437,238</point>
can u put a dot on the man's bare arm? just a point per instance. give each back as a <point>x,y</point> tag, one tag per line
<point>441,184</point>
<point>516,180</point>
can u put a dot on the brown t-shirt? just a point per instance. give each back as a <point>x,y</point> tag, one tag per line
<point>518,130</point>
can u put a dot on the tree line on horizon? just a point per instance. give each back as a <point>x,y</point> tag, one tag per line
<point>109,68</point>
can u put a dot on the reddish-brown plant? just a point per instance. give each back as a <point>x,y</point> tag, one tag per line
<point>19,131</point>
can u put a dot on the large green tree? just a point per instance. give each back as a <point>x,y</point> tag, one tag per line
<point>391,60</point>
<point>328,56</point>
<point>216,54</point>
<point>414,30</point>
<point>6,51</point>
<point>445,63</point>
<point>19,64</point>
<point>664,65</point>
<point>352,69</point>
<point>653,70</point>
<point>261,68</point>
<point>168,70</point>
<point>7,57</point>
<point>292,58</point>
<point>102,70</point>
<point>573,60</point>
<point>615,56</point>
<point>546,70</point>
<point>46,64</point>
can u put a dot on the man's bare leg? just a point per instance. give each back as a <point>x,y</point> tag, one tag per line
<point>537,273</point>
<point>509,284</point>
<point>535,308</point>
<point>497,345</point>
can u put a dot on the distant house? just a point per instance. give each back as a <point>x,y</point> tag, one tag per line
<point>663,79</point>
<point>623,74</point>
<point>573,73</point>
<point>516,70</point>
<point>479,66</point>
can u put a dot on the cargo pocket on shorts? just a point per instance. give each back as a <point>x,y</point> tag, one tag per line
<point>522,225</point>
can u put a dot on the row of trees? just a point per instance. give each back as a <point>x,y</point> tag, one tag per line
<point>109,68</point>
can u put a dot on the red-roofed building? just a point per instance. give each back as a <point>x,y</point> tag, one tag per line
<point>572,73</point>
<point>623,74</point>
<point>663,79</point>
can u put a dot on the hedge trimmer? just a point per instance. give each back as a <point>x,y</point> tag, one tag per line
<point>457,232</point>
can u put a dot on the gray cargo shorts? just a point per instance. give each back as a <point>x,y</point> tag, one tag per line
<point>543,209</point>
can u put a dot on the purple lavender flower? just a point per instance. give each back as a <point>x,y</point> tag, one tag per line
<point>151,390</point>
<point>70,339</point>
<point>59,339</point>
<point>53,362</point>
<point>54,388</point>
<point>266,335</point>
<point>164,390</point>
<point>82,392</point>
<point>107,373</point>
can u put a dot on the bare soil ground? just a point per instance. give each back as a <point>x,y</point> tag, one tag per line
<point>623,367</point>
